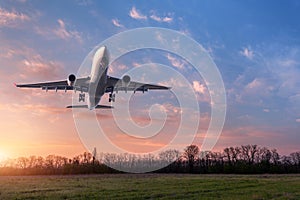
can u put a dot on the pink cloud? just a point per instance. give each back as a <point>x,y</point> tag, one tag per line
<point>266,110</point>
<point>141,118</point>
<point>166,19</point>
<point>39,67</point>
<point>135,14</point>
<point>11,19</point>
<point>117,68</point>
<point>136,145</point>
<point>60,32</point>
<point>26,64</point>
<point>256,83</point>
<point>117,23</point>
<point>65,34</point>
<point>139,145</point>
<point>37,109</point>
<point>7,53</point>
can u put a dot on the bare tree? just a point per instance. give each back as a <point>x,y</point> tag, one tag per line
<point>295,157</point>
<point>169,156</point>
<point>87,157</point>
<point>263,155</point>
<point>236,153</point>
<point>23,162</point>
<point>249,153</point>
<point>94,153</point>
<point>49,161</point>
<point>191,153</point>
<point>227,155</point>
<point>275,158</point>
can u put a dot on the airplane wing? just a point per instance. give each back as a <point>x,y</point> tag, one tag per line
<point>117,84</point>
<point>80,84</point>
<point>86,106</point>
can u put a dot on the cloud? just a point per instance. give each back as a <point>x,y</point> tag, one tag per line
<point>202,92</point>
<point>285,68</point>
<point>37,66</point>
<point>274,73</point>
<point>26,63</point>
<point>198,87</point>
<point>247,52</point>
<point>298,120</point>
<point>135,14</point>
<point>117,68</point>
<point>166,19</point>
<point>256,83</point>
<point>37,109</point>
<point>117,23</point>
<point>48,113</point>
<point>61,32</point>
<point>6,53</point>
<point>174,83</point>
<point>175,61</point>
<point>257,90</point>
<point>11,19</point>
<point>65,34</point>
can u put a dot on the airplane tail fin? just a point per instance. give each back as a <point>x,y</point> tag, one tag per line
<point>85,106</point>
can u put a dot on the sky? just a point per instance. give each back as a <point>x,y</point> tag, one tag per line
<point>254,44</point>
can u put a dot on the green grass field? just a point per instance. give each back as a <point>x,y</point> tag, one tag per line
<point>151,186</point>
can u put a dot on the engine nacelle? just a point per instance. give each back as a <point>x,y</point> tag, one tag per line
<point>71,79</point>
<point>125,80</point>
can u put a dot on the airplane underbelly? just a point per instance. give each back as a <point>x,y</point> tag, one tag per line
<point>96,91</point>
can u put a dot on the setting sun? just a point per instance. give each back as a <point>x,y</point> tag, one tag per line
<point>3,156</point>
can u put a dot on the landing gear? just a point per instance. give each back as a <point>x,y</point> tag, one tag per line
<point>82,97</point>
<point>112,97</point>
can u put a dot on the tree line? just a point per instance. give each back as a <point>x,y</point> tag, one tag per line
<point>244,159</point>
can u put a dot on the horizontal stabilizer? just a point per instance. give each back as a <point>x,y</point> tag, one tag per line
<point>85,106</point>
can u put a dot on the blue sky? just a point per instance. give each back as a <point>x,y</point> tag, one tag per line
<point>255,44</point>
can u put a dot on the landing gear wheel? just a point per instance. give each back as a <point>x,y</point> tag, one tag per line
<point>112,97</point>
<point>82,97</point>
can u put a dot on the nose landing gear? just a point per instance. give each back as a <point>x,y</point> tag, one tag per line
<point>82,97</point>
<point>112,97</point>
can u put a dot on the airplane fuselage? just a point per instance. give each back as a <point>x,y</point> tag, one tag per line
<point>98,77</point>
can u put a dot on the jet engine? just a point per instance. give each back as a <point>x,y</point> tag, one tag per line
<point>125,80</point>
<point>71,79</point>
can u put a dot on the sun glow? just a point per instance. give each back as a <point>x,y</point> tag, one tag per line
<point>3,156</point>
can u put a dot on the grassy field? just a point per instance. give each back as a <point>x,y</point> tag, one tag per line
<point>151,186</point>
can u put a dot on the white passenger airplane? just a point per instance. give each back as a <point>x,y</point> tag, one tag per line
<point>97,84</point>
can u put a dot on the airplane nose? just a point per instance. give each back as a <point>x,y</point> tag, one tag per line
<point>103,49</point>
<point>100,52</point>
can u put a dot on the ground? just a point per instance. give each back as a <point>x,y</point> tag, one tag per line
<point>151,186</point>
